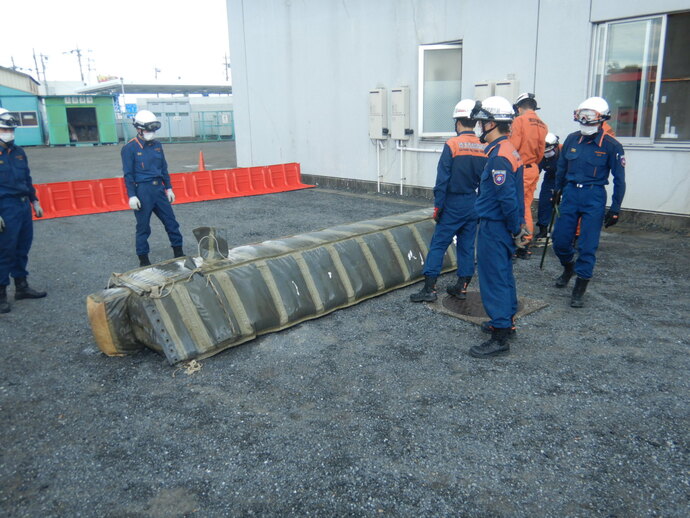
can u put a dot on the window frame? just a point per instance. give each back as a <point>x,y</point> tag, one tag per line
<point>420,81</point>
<point>20,120</point>
<point>598,49</point>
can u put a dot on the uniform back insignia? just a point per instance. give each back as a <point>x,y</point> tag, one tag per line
<point>499,177</point>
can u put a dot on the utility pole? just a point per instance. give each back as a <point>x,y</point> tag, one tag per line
<point>44,58</point>
<point>38,72</point>
<point>156,71</point>
<point>78,52</point>
<point>226,64</point>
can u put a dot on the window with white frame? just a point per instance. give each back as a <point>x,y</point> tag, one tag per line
<point>641,68</point>
<point>25,118</point>
<point>440,87</point>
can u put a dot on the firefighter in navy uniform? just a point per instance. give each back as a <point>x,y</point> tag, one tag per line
<point>548,164</point>
<point>17,197</point>
<point>587,158</point>
<point>501,224</point>
<point>455,193</point>
<point>148,185</point>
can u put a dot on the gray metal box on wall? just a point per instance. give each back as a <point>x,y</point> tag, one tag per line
<point>175,117</point>
<point>400,113</point>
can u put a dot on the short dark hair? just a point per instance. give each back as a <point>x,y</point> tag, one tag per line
<point>465,122</point>
<point>529,104</point>
<point>503,127</point>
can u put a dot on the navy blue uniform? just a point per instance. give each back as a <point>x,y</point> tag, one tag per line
<point>583,171</point>
<point>16,195</point>
<point>457,178</point>
<point>500,207</point>
<point>545,207</point>
<point>147,178</point>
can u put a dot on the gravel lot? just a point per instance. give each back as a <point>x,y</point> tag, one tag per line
<point>374,410</point>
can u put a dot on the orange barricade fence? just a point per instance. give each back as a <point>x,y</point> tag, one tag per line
<point>62,199</point>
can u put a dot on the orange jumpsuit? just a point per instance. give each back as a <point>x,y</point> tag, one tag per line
<point>527,136</point>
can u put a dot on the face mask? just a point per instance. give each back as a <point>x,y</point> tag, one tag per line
<point>549,153</point>
<point>588,130</point>
<point>148,135</point>
<point>479,130</point>
<point>7,136</point>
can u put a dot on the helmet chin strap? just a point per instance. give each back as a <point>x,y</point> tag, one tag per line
<point>482,137</point>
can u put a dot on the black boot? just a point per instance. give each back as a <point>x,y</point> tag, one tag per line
<point>459,290</point>
<point>568,272</point>
<point>177,251</point>
<point>495,346</point>
<point>428,292</point>
<point>578,292</point>
<point>22,290</point>
<point>144,260</point>
<point>543,232</point>
<point>523,253</point>
<point>4,305</point>
<point>488,329</point>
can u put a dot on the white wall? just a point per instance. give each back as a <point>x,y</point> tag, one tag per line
<point>302,71</point>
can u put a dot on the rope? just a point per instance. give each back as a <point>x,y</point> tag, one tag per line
<point>198,246</point>
<point>190,367</point>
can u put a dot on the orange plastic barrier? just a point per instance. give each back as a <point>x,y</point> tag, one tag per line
<point>61,199</point>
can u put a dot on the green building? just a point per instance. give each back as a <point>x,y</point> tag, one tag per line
<point>80,120</point>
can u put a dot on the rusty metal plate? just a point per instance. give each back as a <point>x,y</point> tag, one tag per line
<point>472,309</point>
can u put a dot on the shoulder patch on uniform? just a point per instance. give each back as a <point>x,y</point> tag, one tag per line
<point>499,176</point>
<point>623,160</point>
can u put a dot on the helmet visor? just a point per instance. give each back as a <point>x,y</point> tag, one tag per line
<point>151,126</point>
<point>588,116</point>
<point>7,120</point>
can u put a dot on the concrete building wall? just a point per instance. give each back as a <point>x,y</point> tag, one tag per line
<point>302,72</point>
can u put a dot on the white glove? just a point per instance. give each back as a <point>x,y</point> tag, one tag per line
<point>38,210</point>
<point>134,203</point>
<point>519,238</point>
<point>171,195</point>
<point>2,224</point>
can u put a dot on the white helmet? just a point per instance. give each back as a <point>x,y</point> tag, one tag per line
<point>463,109</point>
<point>594,110</point>
<point>494,108</point>
<point>527,96</point>
<point>7,120</point>
<point>551,141</point>
<point>146,120</point>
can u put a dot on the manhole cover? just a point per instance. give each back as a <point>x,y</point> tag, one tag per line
<point>472,310</point>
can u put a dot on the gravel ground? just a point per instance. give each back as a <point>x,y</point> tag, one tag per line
<point>374,410</point>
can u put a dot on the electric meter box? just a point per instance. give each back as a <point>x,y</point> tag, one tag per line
<point>400,113</point>
<point>378,114</point>
<point>507,88</point>
<point>483,90</point>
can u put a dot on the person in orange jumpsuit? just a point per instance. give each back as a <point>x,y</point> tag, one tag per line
<point>527,136</point>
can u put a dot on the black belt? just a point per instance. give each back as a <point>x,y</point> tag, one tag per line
<point>584,185</point>
<point>152,182</point>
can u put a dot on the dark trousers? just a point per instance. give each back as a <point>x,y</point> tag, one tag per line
<point>495,249</point>
<point>460,222</point>
<point>545,208</point>
<point>589,204</point>
<point>16,239</point>
<point>153,200</point>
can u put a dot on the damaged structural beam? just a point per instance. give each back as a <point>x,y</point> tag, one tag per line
<point>193,308</point>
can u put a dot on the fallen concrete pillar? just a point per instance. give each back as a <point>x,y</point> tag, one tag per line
<point>193,308</point>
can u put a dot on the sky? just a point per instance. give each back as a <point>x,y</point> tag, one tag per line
<point>187,41</point>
